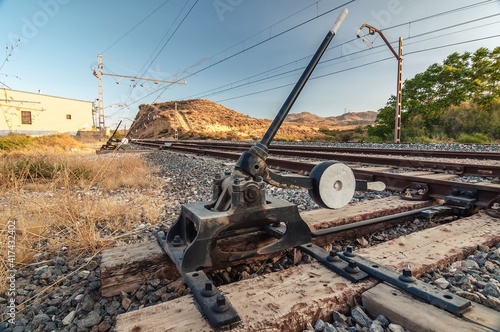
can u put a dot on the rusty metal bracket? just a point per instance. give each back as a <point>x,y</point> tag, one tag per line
<point>416,191</point>
<point>212,303</point>
<point>493,209</point>
<point>405,281</point>
<point>194,241</point>
<point>461,200</point>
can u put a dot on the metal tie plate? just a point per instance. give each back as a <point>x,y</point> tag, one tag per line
<point>216,308</point>
<point>427,292</point>
<point>333,262</point>
<point>346,269</point>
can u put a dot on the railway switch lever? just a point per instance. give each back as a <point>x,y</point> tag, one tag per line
<point>202,235</point>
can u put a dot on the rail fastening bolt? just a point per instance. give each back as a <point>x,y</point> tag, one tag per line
<point>220,304</point>
<point>177,242</point>
<point>349,251</point>
<point>352,267</point>
<point>407,275</point>
<point>332,256</point>
<point>209,290</point>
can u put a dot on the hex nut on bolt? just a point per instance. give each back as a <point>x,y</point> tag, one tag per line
<point>177,242</point>
<point>220,304</point>
<point>332,257</point>
<point>209,289</point>
<point>352,267</point>
<point>407,275</point>
<point>349,251</point>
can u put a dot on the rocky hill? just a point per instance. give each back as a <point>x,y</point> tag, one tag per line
<point>363,118</point>
<point>205,119</point>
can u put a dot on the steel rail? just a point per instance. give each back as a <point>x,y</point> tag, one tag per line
<point>438,188</point>
<point>367,222</point>
<point>358,150</point>
<point>434,166</point>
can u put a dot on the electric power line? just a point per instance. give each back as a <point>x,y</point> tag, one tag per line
<point>360,66</point>
<point>169,38</point>
<point>212,91</point>
<point>238,53</point>
<point>135,26</point>
<point>258,43</point>
<point>431,16</point>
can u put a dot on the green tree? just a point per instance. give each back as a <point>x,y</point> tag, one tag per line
<point>384,123</point>
<point>460,95</point>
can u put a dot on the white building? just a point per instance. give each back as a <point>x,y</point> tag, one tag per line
<point>37,114</point>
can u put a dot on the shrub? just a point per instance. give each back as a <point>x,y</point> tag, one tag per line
<point>419,139</point>
<point>22,143</point>
<point>15,142</point>
<point>476,138</point>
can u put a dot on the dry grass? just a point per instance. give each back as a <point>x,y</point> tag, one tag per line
<point>42,144</point>
<point>83,203</point>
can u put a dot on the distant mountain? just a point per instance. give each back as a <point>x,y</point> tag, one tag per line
<point>351,118</point>
<point>306,117</point>
<point>367,116</point>
<point>205,119</point>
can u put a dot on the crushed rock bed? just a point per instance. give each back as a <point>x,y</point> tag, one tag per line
<point>62,292</point>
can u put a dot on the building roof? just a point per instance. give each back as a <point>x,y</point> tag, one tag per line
<point>41,94</point>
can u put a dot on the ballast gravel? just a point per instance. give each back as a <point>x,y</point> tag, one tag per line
<point>74,303</point>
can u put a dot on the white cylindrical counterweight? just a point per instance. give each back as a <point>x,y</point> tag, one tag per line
<point>333,185</point>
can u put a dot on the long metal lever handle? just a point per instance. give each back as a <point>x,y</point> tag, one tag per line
<point>287,105</point>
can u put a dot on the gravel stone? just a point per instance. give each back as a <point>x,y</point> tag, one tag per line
<point>441,283</point>
<point>90,320</point>
<point>360,317</point>
<point>68,319</point>
<point>58,260</point>
<point>491,289</point>
<point>40,319</point>
<point>384,321</point>
<point>319,326</point>
<point>329,328</point>
<point>339,318</point>
<point>126,302</point>
<point>395,328</point>
<point>104,326</point>
<point>376,327</point>
<point>88,304</point>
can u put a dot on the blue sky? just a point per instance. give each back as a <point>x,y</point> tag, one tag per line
<point>245,54</point>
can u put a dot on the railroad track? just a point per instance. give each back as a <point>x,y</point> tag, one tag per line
<point>124,269</point>
<point>469,163</point>
<point>436,178</point>
<point>244,225</point>
<point>277,148</point>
